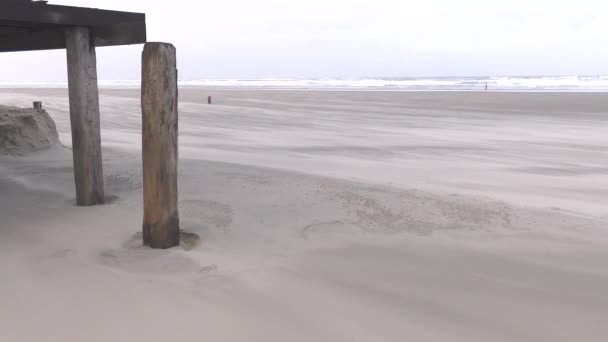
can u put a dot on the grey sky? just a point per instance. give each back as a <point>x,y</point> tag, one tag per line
<point>350,38</point>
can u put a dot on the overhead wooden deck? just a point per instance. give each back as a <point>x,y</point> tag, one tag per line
<point>27,25</point>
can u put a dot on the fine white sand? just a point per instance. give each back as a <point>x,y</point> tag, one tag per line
<point>324,216</point>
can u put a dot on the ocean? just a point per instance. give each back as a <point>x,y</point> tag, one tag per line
<point>493,83</point>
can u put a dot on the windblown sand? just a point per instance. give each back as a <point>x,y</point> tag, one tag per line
<point>323,216</point>
<point>25,130</point>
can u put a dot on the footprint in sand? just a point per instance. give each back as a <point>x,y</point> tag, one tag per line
<point>188,240</point>
<point>209,212</point>
<point>145,260</point>
<point>134,257</point>
<point>328,229</point>
<point>122,183</point>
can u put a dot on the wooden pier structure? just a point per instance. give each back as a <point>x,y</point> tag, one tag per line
<point>27,25</point>
<point>35,25</point>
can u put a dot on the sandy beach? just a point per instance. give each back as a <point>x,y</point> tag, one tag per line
<point>323,216</point>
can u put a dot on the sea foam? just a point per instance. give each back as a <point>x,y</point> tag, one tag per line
<point>495,83</point>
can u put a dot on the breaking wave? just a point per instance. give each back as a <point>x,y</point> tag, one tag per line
<point>503,83</point>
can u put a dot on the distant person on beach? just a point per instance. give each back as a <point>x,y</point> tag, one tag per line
<point>486,87</point>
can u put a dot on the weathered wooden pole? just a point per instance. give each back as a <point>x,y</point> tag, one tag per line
<point>37,105</point>
<point>84,116</point>
<point>159,145</point>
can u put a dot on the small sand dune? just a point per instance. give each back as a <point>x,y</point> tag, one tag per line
<point>25,130</point>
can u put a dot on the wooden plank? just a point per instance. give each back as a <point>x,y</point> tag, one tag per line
<point>65,15</point>
<point>84,117</point>
<point>35,26</point>
<point>159,145</point>
<point>32,41</point>
<point>26,2</point>
<point>50,39</point>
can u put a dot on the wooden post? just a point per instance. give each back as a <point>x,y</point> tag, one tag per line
<point>159,145</point>
<point>37,105</point>
<point>84,116</point>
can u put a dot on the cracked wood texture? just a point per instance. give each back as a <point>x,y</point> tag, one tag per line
<point>159,145</point>
<point>84,116</point>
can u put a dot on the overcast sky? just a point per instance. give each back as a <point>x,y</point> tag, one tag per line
<point>350,38</point>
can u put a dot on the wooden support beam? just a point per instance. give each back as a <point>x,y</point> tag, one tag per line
<point>84,116</point>
<point>54,38</point>
<point>159,145</point>
<point>28,26</point>
<point>39,14</point>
